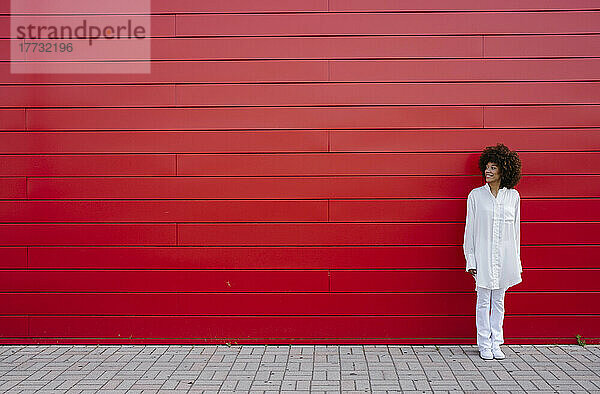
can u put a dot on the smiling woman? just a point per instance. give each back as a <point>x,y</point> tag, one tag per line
<point>492,243</point>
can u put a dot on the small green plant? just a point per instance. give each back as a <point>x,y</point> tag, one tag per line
<point>580,340</point>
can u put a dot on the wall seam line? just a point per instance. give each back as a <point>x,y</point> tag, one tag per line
<point>483,57</point>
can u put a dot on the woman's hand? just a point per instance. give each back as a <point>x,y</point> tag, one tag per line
<point>473,272</point>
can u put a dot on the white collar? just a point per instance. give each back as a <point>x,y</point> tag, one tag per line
<point>487,186</point>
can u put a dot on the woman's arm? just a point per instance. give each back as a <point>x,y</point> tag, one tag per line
<point>469,236</point>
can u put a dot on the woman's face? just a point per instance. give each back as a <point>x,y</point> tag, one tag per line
<point>492,173</point>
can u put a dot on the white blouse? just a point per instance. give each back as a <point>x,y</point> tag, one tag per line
<point>492,242</point>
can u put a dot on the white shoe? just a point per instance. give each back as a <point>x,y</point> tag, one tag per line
<point>486,354</point>
<point>498,355</point>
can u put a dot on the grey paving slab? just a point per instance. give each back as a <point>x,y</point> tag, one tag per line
<point>296,368</point>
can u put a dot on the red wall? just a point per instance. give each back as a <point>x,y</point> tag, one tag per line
<point>297,171</point>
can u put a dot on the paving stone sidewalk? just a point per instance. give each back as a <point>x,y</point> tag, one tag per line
<point>283,368</point>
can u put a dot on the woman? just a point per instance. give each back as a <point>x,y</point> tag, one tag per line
<point>492,243</point>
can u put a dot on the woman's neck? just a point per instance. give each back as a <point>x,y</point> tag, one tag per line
<point>494,186</point>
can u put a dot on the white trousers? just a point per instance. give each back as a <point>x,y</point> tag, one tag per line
<point>489,318</point>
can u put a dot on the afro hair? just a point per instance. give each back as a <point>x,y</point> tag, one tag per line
<point>507,161</point>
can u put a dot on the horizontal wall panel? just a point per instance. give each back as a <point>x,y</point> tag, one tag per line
<point>281,234</point>
<point>251,303</point>
<point>165,211</point>
<point>104,55</point>
<point>573,256</point>
<point>531,46</point>
<point>164,281</point>
<point>38,165</point>
<point>182,6</point>
<point>13,188</point>
<point>323,327</point>
<point>289,303</point>
<point>461,140</point>
<point>301,94</point>
<point>543,116</point>
<point>558,233</point>
<point>298,141</point>
<point>318,234</point>
<point>13,258</point>
<point>256,187</point>
<point>374,70</point>
<point>87,96</point>
<point>531,186</point>
<point>562,162</point>
<point>451,70</point>
<point>458,280</point>
<point>545,256</point>
<point>238,6</point>
<point>253,118</point>
<point>396,23</point>
<point>165,141</point>
<point>317,47</point>
<point>372,164</point>
<point>405,210</point>
<point>434,140</point>
<point>214,48</point>
<point>241,6</point>
<point>14,326</point>
<point>414,210</point>
<point>204,71</point>
<point>577,302</point>
<point>281,211</point>
<point>260,257</point>
<point>372,234</point>
<point>12,119</point>
<point>461,5</point>
<point>557,210</point>
<point>87,234</point>
<point>426,280</point>
<point>323,164</point>
<point>381,94</point>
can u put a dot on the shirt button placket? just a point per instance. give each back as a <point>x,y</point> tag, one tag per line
<point>496,245</point>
